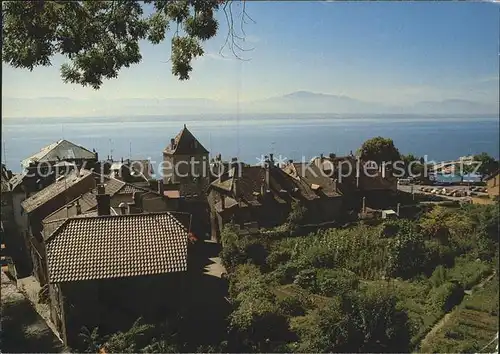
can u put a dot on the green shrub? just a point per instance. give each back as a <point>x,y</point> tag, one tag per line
<point>285,273</point>
<point>469,272</point>
<point>438,277</point>
<point>446,296</point>
<point>292,306</point>
<point>276,258</point>
<point>306,279</point>
<point>330,282</point>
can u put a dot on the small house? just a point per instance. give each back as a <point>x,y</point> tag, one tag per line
<point>107,271</point>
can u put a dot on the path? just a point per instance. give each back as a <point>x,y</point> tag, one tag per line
<point>447,316</point>
<point>23,330</point>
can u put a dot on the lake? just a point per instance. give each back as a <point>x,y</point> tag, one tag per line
<point>249,137</point>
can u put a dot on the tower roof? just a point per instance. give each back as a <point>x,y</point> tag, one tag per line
<point>185,144</point>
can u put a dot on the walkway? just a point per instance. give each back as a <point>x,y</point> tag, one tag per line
<point>23,330</point>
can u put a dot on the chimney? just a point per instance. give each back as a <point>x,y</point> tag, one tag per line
<point>172,143</point>
<point>78,208</point>
<point>321,157</point>
<point>161,187</point>
<point>271,159</point>
<point>138,199</point>
<point>235,187</point>
<point>103,201</point>
<point>266,182</point>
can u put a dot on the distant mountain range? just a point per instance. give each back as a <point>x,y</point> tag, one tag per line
<point>309,102</point>
<point>300,102</point>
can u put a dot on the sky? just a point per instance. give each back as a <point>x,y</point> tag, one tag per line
<point>391,53</point>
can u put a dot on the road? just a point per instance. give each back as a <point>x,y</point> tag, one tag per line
<point>416,188</point>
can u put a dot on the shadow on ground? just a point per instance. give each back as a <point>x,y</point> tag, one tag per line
<point>23,329</point>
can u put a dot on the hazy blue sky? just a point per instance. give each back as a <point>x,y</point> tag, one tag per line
<point>395,53</point>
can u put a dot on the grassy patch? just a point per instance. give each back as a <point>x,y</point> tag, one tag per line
<point>472,326</point>
<point>413,297</point>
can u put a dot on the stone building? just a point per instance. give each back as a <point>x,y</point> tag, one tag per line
<point>107,271</point>
<point>264,195</point>
<point>186,160</point>
<point>45,202</point>
<point>186,177</point>
<point>356,179</point>
<point>59,157</point>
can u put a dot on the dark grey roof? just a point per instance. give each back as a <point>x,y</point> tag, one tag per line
<point>61,150</point>
<point>105,247</point>
<point>185,143</point>
<point>56,188</point>
<point>17,180</point>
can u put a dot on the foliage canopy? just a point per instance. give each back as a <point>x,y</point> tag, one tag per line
<point>101,37</point>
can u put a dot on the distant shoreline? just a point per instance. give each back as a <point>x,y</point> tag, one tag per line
<point>261,116</point>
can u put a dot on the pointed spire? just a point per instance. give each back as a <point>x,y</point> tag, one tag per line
<point>184,126</point>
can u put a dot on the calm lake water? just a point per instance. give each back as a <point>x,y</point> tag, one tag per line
<point>249,137</point>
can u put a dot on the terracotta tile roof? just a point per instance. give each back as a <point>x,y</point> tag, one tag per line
<point>185,143</point>
<point>60,150</point>
<point>53,190</point>
<point>105,247</point>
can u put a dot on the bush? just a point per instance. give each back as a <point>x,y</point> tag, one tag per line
<point>438,277</point>
<point>292,306</point>
<point>468,272</point>
<point>331,282</point>
<point>276,258</point>
<point>407,254</point>
<point>285,273</point>
<point>446,296</point>
<point>306,279</point>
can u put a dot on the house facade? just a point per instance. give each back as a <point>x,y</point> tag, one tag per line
<point>356,179</point>
<point>264,195</point>
<point>45,202</point>
<point>132,266</point>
